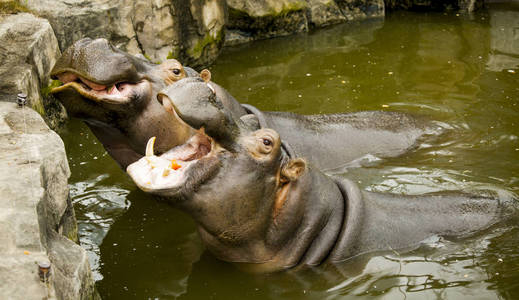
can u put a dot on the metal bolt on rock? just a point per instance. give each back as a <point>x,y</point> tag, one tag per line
<point>44,270</point>
<point>21,99</point>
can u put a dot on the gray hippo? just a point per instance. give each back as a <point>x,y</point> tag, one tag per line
<point>116,94</point>
<point>258,204</point>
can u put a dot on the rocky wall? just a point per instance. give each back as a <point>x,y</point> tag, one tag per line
<point>37,221</point>
<point>189,30</point>
<point>29,50</point>
<point>194,31</point>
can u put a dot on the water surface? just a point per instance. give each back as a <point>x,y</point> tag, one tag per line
<point>462,71</point>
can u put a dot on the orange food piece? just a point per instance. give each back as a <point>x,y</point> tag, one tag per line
<point>174,165</point>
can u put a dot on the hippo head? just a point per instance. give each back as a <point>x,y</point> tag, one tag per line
<point>108,77</point>
<point>232,178</point>
<point>115,93</point>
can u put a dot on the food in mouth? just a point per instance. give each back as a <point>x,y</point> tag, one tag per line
<point>175,165</point>
<point>169,169</point>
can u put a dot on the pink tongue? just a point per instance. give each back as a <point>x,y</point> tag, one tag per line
<point>93,85</point>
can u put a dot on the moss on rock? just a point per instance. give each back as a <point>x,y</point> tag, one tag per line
<point>12,7</point>
<point>173,54</point>
<point>45,91</point>
<point>208,40</point>
<point>290,8</point>
<point>51,109</point>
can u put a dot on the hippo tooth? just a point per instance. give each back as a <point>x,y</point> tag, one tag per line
<point>211,88</point>
<point>111,90</point>
<point>149,147</point>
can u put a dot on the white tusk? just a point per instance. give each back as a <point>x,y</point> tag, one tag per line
<point>211,88</point>
<point>149,147</point>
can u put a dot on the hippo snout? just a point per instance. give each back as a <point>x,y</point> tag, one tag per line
<point>197,104</point>
<point>98,61</point>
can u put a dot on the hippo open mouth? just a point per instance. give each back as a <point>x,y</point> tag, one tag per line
<point>171,170</point>
<point>191,102</point>
<point>116,93</point>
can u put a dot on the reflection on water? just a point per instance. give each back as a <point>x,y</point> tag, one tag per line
<point>461,72</point>
<point>96,206</point>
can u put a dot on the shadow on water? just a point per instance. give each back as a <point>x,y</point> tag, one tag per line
<point>462,72</point>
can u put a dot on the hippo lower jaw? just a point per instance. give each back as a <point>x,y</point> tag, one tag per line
<point>116,93</point>
<point>165,175</point>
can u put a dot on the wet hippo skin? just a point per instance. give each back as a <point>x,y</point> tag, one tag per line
<point>260,205</point>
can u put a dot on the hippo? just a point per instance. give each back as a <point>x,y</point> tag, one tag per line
<point>259,205</point>
<point>116,94</point>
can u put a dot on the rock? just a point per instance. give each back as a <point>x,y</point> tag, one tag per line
<point>359,10</point>
<point>251,20</point>
<point>189,30</point>
<point>268,18</point>
<point>8,7</point>
<point>154,28</point>
<point>324,13</point>
<point>36,215</point>
<point>75,19</point>
<point>37,221</point>
<point>201,25</point>
<point>29,51</point>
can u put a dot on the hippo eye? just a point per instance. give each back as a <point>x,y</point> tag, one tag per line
<point>176,71</point>
<point>265,142</point>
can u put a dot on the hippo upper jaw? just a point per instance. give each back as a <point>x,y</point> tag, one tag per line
<point>97,71</point>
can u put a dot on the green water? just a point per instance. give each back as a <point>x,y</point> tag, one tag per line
<point>462,71</point>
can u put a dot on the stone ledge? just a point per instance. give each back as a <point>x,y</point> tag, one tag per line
<point>36,213</point>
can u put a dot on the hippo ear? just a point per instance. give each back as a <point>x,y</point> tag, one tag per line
<point>293,169</point>
<point>206,75</point>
